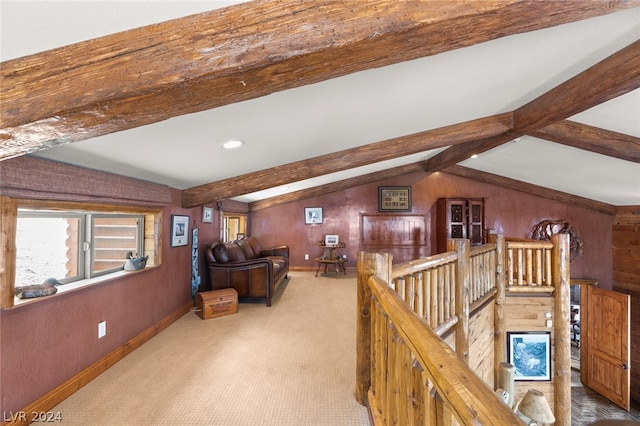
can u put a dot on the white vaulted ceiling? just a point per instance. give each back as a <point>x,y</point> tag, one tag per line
<point>357,109</point>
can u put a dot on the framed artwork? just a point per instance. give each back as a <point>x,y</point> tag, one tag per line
<point>179,230</point>
<point>331,240</point>
<point>530,354</point>
<point>394,198</point>
<point>312,215</point>
<point>207,214</point>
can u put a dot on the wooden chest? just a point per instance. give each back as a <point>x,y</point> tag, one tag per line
<point>217,303</point>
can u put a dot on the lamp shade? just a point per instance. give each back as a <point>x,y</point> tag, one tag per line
<point>535,406</point>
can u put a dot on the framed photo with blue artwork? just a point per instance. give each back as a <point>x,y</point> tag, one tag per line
<point>312,215</point>
<point>179,230</point>
<point>530,354</point>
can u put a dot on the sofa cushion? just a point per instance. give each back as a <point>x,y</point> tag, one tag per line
<point>228,252</point>
<point>247,249</point>
<point>255,246</point>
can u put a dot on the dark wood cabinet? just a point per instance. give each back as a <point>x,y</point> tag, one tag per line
<point>459,218</point>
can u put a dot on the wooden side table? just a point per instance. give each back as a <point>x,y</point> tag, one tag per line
<point>330,257</point>
<point>338,263</point>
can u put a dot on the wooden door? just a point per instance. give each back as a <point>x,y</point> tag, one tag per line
<point>604,350</point>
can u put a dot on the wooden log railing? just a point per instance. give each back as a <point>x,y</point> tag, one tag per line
<point>483,261</point>
<point>427,285</point>
<point>406,373</point>
<point>415,377</point>
<point>529,265</point>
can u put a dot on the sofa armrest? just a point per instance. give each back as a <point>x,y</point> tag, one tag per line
<point>276,251</point>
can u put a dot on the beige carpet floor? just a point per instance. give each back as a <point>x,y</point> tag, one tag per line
<point>291,364</point>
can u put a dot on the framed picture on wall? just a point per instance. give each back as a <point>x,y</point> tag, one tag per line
<point>179,230</point>
<point>394,198</point>
<point>312,215</point>
<point>207,214</point>
<point>530,354</point>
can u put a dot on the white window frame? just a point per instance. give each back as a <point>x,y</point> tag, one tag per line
<point>86,248</point>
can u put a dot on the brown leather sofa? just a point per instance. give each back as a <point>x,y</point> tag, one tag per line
<point>255,273</point>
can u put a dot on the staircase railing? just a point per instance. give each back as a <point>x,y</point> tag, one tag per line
<point>427,285</point>
<point>406,373</point>
<point>528,265</point>
<point>416,378</point>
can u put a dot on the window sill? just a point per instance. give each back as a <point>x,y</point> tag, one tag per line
<point>78,285</point>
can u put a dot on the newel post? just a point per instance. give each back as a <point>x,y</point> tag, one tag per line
<point>8,224</point>
<point>368,264</point>
<point>463,279</point>
<point>562,345</point>
<point>499,323</point>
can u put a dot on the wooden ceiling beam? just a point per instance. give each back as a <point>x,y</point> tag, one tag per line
<point>346,159</point>
<point>531,189</point>
<point>614,76</point>
<point>594,139</point>
<point>203,61</point>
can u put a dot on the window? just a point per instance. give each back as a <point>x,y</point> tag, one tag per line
<point>233,225</point>
<point>74,245</point>
<point>113,237</point>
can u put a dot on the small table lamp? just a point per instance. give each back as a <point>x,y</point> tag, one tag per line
<point>535,406</point>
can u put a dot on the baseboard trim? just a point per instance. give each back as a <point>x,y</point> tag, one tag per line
<point>75,383</point>
<point>314,268</point>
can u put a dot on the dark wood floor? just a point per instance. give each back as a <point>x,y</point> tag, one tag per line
<point>588,406</point>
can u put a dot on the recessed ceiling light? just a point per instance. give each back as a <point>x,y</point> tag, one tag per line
<point>474,156</point>
<point>233,144</point>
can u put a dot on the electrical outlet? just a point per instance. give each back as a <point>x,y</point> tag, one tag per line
<point>306,257</point>
<point>344,256</point>
<point>102,329</point>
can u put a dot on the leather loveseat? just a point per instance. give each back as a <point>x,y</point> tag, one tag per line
<point>255,273</point>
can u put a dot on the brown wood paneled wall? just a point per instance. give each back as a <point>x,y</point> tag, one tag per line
<point>404,236</point>
<point>527,313</point>
<point>481,342</point>
<point>626,278</point>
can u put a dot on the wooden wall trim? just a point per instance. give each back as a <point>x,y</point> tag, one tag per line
<point>232,206</point>
<point>626,279</point>
<point>532,189</point>
<point>628,214</point>
<point>8,224</point>
<point>75,383</point>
